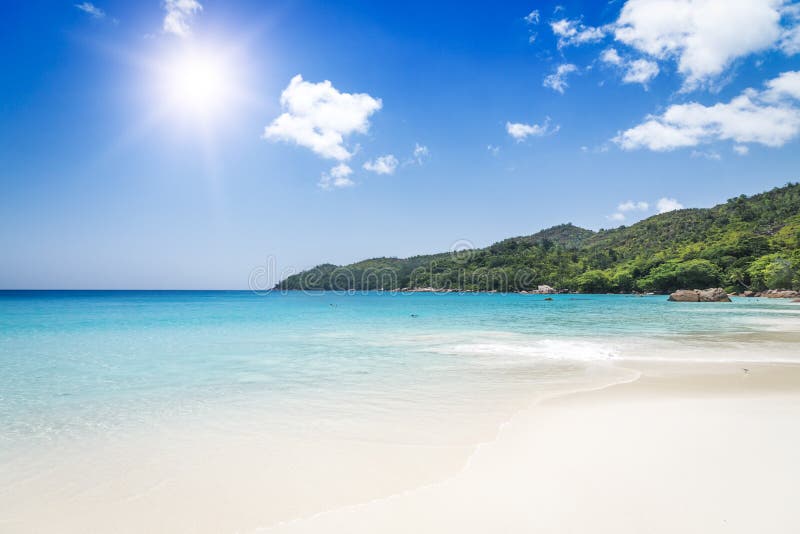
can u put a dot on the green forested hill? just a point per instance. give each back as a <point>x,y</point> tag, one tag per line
<point>745,243</point>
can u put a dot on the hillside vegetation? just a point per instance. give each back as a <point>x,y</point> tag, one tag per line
<point>746,243</point>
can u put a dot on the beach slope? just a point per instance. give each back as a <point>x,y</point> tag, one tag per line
<point>682,449</point>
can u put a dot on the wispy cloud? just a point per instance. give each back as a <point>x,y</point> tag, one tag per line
<point>574,32</point>
<point>636,71</point>
<point>706,154</point>
<point>628,207</point>
<point>91,9</point>
<point>558,80</point>
<point>179,15</point>
<point>532,17</point>
<point>633,206</point>
<point>521,131</point>
<point>421,153</point>
<point>382,164</point>
<point>337,178</point>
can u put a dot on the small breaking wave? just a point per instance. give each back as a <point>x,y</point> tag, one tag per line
<point>540,349</point>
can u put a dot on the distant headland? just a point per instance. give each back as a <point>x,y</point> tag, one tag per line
<point>748,245</point>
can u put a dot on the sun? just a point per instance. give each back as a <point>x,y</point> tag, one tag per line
<point>197,83</point>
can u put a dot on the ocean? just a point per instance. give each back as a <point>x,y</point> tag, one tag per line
<point>111,382</point>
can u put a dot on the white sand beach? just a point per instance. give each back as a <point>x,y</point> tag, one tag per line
<point>681,449</point>
<point>684,447</point>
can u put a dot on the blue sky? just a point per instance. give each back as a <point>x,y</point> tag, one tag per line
<point>166,145</point>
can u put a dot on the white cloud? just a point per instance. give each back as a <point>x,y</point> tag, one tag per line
<point>341,170</point>
<point>382,164</point>
<point>532,17</point>
<point>714,156</point>
<point>704,36</point>
<point>319,117</point>
<point>616,217</point>
<point>338,177</point>
<point>91,9</point>
<point>557,81</point>
<point>790,39</point>
<point>633,206</point>
<point>742,150</point>
<point>574,32</point>
<point>637,71</point>
<point>421,153</point>
<point>493,150</point>
<point>787,85</point>
<point>611,56</point>
<point>770,117</point>
<point>520,131</point>
<point>179,14</point>
<point>668,204</point>
<point>640,71</point>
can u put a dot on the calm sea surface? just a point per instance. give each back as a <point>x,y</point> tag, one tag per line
<point>105,364</point>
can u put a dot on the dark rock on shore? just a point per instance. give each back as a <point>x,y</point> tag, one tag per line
<point>716,294</point>
<point>780,294</point>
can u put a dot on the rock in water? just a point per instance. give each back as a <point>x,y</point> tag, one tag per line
<point>685,295</point>
<point>715,294</point>
<point>779,294</point>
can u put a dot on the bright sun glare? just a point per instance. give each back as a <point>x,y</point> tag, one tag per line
<point>198,84</point>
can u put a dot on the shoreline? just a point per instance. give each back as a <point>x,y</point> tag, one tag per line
<point>539,439</point>
<point>512,421</point>
<point>692,385</point>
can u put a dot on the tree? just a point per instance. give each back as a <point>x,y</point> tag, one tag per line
<point>773,271</point>
<point>594,281</point>
<point>692,274</point>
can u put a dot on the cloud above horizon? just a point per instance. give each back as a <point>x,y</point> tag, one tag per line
<point>319,117</point>
<point>769,117</point>
<point>634,71</point>
<point>338,177</point>
<point>575,33</point>
<point>558,80</point>
<point>703,36</point>
<point>627,207</point>
<point>382,164</point>
<point>420,154</point>
<point>91,9</point>
<point>633,206</point>
<point>179,15</point>
<point>665,204</point>
<point>521,131</point>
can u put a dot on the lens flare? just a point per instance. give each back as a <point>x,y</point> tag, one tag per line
<point>198,84</point>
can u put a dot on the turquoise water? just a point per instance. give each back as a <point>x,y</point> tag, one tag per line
<point>74,364</point>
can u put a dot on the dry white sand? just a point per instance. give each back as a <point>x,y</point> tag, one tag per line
<point>683,449</point>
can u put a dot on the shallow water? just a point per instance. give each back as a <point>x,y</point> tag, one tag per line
<point>78,362</point>
<point>114,381</point>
